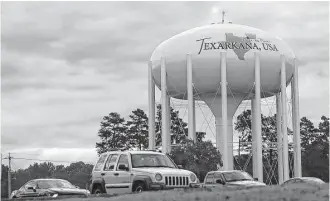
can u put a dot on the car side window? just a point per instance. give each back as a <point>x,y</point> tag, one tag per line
<point>111,162</point>
<point>30,184</point>
<point>100,163</point>
<point>218,178</point>
<point>123,160</point>
<point>209,179</point>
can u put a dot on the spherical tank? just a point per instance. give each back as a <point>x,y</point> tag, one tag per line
<point>205,44</point>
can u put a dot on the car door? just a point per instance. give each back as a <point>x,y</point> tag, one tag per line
<point>209,181</point>
<point>123,175</point>
<point>109,175</point>
<point>30,189</point>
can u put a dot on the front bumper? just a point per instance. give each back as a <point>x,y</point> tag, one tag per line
<point>195,185</point>
<point>162,186</point>
<point>157,186</point>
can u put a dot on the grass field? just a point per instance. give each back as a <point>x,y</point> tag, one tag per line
<point>269,193</point>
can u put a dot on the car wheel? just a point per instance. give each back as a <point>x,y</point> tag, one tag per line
<point>138,187</point>
<point>97,190</point>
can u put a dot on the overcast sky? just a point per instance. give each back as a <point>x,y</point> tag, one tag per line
<point>65,65</point>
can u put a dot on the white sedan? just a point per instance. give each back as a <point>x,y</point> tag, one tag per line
<point>303,180</point>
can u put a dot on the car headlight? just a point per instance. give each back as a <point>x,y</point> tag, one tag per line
<point>193,177</point>
<point>158,177</point>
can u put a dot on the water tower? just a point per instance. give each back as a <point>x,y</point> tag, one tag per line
<point>220,64</point>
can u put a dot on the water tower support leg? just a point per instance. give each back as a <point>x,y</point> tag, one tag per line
<point>224,116</point>
<point>191,105</point>
<point>151,93</point>
<point>284,121</point>
<point>296,121</point>
<point>168,113</point>
<point>165,109</point>
<point>218,139</point>
<point>279,137</point>
<point>257,118</point>
<point>230,144</point>
<point>194,118</point>
<point>254,144</point>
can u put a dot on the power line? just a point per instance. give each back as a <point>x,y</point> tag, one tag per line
<point>55,161</point>
<point>30,154</point>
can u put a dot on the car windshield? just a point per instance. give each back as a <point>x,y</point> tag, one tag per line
<point>45,184</point>
<point>151,160</point>
<point>237,176</point>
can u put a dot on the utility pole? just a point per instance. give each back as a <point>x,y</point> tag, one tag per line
<point>1,167</point>
<point>9,175</point>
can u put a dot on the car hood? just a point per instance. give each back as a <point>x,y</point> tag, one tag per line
<point>163,171</point>
<point>246,183</point>
<point>69,191</point>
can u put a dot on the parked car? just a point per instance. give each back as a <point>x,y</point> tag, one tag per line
<point>233,179</point>
<point>303,180</point>
<point>119,172</point>
<point>48,187</point>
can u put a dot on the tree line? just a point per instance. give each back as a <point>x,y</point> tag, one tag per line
<point>77,173</point>
<point>314,145</point>
<point>116,133</point>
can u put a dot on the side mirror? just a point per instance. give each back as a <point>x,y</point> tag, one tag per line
<point>255,179</point>
<point>180,167</point>
<point>220,181</point>
<point>123,167</point>
<point>77,186</point>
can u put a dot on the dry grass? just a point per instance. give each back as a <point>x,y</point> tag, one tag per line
<point>269,193</point>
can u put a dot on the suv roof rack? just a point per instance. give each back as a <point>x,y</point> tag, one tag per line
<point>115,149</point>
<point>154,150</point>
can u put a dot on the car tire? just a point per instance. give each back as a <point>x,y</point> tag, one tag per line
<point>97,190</point>
<point>139,187</point>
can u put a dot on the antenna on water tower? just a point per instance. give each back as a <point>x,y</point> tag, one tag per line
<point>223,16</point>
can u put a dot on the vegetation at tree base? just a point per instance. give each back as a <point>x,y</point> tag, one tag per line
<point>199,157</point>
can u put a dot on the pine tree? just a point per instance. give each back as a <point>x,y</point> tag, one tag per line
<point>113,133</point>
<point>138,129</point>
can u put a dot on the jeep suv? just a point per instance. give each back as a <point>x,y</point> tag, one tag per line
<point>119,172</point>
